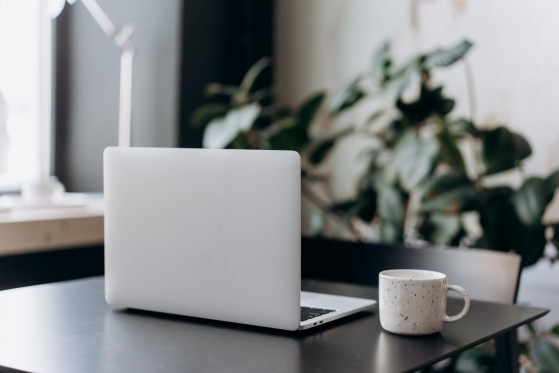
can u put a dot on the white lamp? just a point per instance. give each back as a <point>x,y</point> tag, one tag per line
<point>122,39</point>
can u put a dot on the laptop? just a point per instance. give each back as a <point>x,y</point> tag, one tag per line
<point>211,233</point>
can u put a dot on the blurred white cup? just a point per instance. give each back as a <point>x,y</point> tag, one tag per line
<point>46,190</point>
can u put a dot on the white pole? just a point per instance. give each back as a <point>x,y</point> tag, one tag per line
<point>100,17</point>
<point>125,102</point>
<point>121,38</point>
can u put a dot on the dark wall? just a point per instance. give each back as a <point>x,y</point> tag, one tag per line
<point>221,40</point>
<point>87,66</point>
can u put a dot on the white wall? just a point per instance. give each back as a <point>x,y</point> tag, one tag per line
<point>321,44</point>
<point>515,61</point>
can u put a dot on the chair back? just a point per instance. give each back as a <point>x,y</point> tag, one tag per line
<point>486,275</point>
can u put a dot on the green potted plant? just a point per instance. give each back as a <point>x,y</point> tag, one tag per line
<point>419,182</point>
<point>419,185</point>
<point>431,177</point>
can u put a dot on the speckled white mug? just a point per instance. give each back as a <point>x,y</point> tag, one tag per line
<point>413,301</point>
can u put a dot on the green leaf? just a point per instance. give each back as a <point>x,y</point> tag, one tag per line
<point>252,74</point>
<point>347,96</point>
<point>445,182</point>
<point>412,161</point>
<point>461,128</point>
<point>391,232</point>
<point>529,241</point>
<point>404,72</point>
<point>323,147</point>
<point>321,151</point>
<point>381,61</point>
<point>215,89</point>
<point>277,112</point>
<point>290,138</point>
<point>430,102</point>
<point>369,179</point>
<point>502,149</point>
<point>346,208</point>
<point>450,192</point>
<point>450,154</point>
<point>545,356</point>
<point>297,136</point>
<point>555,329</point>
<point>555,237</point>
<point>477,359</point>
<point>317,223</point>
<point>205,114</point>
<point>390,202</point>
<point>503,230</point>
<point>446,57</point>
<point>456,200</point>
<point>308,110</point>
<point>364,207</point>
<point>374,117</point>
<point>497,217</point>
<point>393,132</point>
<point>552,183</point>
<point>390,209</point>
<point>394,84</point>
<point>220,132</point>
<point>530,201</point>
<point>442,229</point>
<point>262,94</point>
<point>240,142</point>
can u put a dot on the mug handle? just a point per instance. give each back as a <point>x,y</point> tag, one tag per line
<point>466,307</point>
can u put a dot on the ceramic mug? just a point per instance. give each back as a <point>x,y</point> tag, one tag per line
<point>413,301</point>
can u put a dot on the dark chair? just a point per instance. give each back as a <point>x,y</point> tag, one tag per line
<point>486,275</point>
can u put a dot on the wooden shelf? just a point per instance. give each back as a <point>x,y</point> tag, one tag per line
<point>26,230</point>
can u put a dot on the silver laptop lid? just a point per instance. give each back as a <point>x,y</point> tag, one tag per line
<point>204,233</point>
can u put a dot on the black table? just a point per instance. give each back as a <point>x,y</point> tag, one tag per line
<point>67,327</point>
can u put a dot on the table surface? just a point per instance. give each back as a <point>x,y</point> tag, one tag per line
<point>68,327</point>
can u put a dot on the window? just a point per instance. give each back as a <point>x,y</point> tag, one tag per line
<point>25,85</point>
